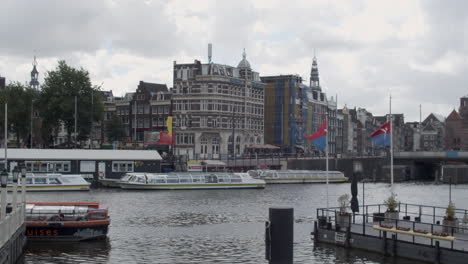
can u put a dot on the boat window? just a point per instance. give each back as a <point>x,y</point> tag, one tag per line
<point>40,180</point>
<point>29,181</point>
<point>236,178</point>
<point>223,178</point>
<point>158,180</point>
<point>211,178</point>
<point>43,167</point>
<point>185,178</point>
<point>97,216</point>
<point>54,181</point>
<point>172,179</point>
<point>197,178</point>
<point>141,179</point>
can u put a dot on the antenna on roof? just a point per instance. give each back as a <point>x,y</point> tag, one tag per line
<point>210,48</point>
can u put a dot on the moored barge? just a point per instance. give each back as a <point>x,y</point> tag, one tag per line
<point>66,221</point>
<point>190,180</point>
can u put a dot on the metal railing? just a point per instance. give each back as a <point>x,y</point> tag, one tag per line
<point>426,220</point>
<point>12,222</point>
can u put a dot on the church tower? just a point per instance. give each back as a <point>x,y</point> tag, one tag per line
<point>314,76</point>
<point>34,76</point>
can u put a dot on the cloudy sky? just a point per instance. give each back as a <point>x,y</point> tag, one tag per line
<point>415,50</point>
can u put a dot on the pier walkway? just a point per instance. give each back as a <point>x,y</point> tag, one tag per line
<point>417,233</point>
<point>12,226</point>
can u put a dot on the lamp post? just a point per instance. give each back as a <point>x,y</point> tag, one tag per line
<point>16,173</point>
<point>23,184</point>
<point>3,184</point>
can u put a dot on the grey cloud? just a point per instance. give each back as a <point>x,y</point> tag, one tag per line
<point>56,28</point>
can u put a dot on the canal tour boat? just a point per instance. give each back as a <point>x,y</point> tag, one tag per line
<point>52,182</point>
<point>298,176</point>
<point>66,221</point>
<point>190,180</point>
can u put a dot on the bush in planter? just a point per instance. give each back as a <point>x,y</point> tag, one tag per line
<point>343,201</point>
<point>343,217</point>
<point>450,222</point>
<point>450,212</point>
<point>392,204</point>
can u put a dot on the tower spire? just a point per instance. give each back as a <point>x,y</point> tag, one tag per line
<point>34,75</point>
<point>314,75</point>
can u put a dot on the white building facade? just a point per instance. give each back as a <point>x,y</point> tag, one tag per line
<point>214,105</point>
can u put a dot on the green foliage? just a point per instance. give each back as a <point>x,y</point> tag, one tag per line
<point>391,203</point>
<point>57,101</point>
<point>20,99</point>
<point>115,129</point>
<point>343,202</point>
<point>450,211</point>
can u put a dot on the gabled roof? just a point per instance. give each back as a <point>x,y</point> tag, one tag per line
<point>454,116</point>
<point>153,87</point>
<point>435,117</point>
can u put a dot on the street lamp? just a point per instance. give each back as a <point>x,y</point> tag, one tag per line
<point>16,173</point>
<point>4,178</point>
<point>3,184</point>
<point>23,183</point>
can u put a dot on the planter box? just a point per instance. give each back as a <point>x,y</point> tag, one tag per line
<point>344,221</point>
<point>390,217</point>
<point>449,225</point>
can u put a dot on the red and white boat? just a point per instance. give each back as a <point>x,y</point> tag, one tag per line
<point>66,221</point>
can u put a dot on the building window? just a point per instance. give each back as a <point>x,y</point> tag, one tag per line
<point>203,144</point>
<point>122,166</point>
<point>51,166</point>
<point>215,145</point>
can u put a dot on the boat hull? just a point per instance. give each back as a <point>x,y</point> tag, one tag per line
<point>47,187</point>
<point>111,183</point>
<point>69,231</point>
<point>300,181</point>
<point>206,186</point>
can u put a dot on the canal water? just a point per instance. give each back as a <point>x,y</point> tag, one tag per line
<point>218,226</point>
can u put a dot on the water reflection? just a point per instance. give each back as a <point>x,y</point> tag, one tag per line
<point>68,252</point>
<point>222,226</point>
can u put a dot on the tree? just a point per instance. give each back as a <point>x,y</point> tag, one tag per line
<point>57,102</point>
<point>19,99</point>
<point>115,129</point>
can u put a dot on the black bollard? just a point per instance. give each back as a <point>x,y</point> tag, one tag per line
<point>279,236</point>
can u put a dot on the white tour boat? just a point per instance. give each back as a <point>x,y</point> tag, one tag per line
<point>52,182</point>
<point>297,176</point>
<point>190,180</point>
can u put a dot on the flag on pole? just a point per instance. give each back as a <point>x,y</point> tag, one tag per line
<point>382,136</point>
<point>169,125</point>
<point>319,137</point>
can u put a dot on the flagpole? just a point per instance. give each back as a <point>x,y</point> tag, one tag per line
<point>391,145</point>
<point>326,152</point>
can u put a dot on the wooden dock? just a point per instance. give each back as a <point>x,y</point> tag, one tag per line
<point>424,241</point>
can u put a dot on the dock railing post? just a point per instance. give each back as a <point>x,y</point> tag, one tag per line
<point>433,214</point>
<point>280,230</point>
<point>3,187</point>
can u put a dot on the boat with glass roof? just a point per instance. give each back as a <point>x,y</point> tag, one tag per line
<point>190,180</point>
<point>53,182</point>
<point>298,176</point>
<point>66,221</point>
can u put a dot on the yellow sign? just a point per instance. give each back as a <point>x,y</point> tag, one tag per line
<point>169,125</point>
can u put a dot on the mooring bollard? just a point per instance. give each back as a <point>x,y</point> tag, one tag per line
<point>279,235</point>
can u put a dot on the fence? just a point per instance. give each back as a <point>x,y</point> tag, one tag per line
<point>11,224</point>
<point>425,228</point>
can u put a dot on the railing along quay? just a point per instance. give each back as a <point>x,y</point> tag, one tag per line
<point>12,226</point>
<point>418,232</point>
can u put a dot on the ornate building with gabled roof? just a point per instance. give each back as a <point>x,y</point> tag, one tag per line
<point>454,131</point>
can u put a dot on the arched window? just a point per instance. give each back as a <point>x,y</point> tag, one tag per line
<point>252,140</point>
<point>259,140</point>
<point>238,144</point>
<point>203,144</point>
<point>215,145</point>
